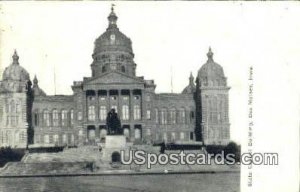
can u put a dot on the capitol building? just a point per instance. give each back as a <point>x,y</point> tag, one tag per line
<point>28,116</point>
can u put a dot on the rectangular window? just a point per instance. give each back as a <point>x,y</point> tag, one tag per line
<point>164,117</point>
<point>173,116</point>
<point>114,107</point>
<point>46,139</point>
<point>181,135</point>
<point>102,113</point>
<point>79,115</point>
<point>125,112</point>
<point>72,117</point>
<point>46,118</point>
<point>91,113</point>
<point>55,118</point>
<point>136,112</point>
<point>148,114</point>
<point>156,116</point>
<point>64,117</point>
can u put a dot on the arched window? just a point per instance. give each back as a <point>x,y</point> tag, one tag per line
<point>91,113</point>
<point>123,69</point>
<point>136,112</point>
<point>103,112</point>
<point>46,118</point>
<point>64,118</point>
<point>55,117</point>
<point>115,157</point>
<point>125,112</point>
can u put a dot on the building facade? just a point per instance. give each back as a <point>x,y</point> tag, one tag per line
<point>199,113</point>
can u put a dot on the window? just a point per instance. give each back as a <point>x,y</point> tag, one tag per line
<point>182,116</point>
<point>181,135</point>
<point>136,97</point>
<point>103,69</point>
<point>173,116</point>
<point>64,117</point>
<point>55,117</point>
<point>123,69</point>
<point>156,116</point>
<point>64,140</point>
<point>125,98</point>
<point>22,136</point>
<point>72,117</point>
<point>113,98</point>
<point>55,139</point>
<point>148,132</point>
<point>125,112</point>
<point>72,139</point>
<point>126,133</point>
<point>148,114</point>
<point>173,136</point>
<point>79,116</point>
<point>136,112</point>
<point>36,119</point>
<point>114,107</point>
<point>91,113</point>
<point>137,133</point>
<point>164,117</point>
<point>148,97</point>
<point>165,136</point>
<point>102,113</point>
<point>46,139</point>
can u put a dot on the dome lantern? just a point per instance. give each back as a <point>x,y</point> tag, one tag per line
<point>112,18</point>
<point>15,58</point>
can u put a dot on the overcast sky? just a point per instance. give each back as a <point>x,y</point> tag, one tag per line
<point>264,35</point>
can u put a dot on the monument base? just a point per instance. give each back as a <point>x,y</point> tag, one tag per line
<point>114,144</point>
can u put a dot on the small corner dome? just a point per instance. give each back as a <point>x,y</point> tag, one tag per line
<point>211,72</point>
<point>15,72</point>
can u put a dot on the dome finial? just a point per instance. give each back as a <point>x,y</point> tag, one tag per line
<point>15,57</point>
<point>191,78</point>
<point>112,18</point>
<point>210,54</point>
<point>35,80</point>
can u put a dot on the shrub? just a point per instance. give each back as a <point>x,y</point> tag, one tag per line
<point>10,155</point>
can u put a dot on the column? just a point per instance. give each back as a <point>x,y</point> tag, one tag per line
<point>143,106</point>
<point>119,104</point>
<point>131,115</point>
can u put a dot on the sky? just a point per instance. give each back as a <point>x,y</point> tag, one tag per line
<point>59,36</point>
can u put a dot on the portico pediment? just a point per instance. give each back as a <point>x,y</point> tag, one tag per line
<point>114,78</point>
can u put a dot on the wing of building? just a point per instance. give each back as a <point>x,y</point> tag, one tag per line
<point>199,113</point>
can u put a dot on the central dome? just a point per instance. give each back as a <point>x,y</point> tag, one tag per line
<point>113,51</point>
<point>112,39</point>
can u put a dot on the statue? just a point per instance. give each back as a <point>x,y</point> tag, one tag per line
<point>113,123</point>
